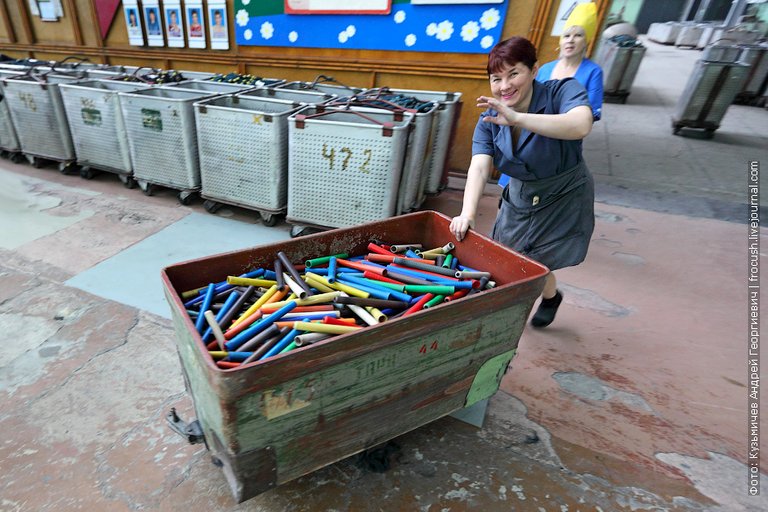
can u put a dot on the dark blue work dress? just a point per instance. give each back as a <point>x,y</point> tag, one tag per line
<point>547,208</point>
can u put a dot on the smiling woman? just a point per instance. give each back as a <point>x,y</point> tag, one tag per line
<point>531,132</point>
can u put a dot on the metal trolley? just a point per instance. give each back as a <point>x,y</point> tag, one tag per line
<point>756,56</point>
<point>243,145</point>
<point>162,138</point>
<point>344,165</point>
<point>37,110</point>
<point>9,141</point>
<point>620,58</point>
<point>417,158</point>
<point>98,128</point>
<point>448,110</point>
<point>711,88</point>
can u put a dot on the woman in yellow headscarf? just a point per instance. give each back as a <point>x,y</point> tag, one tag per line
<point>580,29</point>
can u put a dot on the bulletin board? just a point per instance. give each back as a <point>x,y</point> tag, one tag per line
<point>447,26</point>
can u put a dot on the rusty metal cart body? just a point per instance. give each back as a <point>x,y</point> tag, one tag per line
<point>272,421</point>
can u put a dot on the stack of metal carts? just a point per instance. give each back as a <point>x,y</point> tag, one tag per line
<point>321,153</point>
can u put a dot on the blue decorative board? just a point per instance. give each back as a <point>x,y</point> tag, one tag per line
<point>470,28</point>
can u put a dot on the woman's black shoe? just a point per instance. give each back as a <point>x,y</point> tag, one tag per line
<point>547,310</point>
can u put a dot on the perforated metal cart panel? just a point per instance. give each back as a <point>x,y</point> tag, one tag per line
<point>162,136</point>
<point>709,92</point>
<point>97,125</point>
<point>243,144</point>
<point>344,169</point>
<point>8,139</point>
<point>444,118</point>
<point>38,115</point>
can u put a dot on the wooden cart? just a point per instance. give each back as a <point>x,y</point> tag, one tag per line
<point>273,421</point>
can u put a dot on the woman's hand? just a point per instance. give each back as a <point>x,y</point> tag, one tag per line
<point>507,116</point>
<point>460,225</point>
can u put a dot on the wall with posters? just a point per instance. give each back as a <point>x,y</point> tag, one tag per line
<point>448,53</point>
<point>400,25</point>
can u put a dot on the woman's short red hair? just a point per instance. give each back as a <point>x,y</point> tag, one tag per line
<point>510,52</point>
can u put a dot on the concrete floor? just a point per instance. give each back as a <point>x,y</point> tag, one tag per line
<point>634,399</point>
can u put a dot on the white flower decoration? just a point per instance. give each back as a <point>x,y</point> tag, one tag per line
<point>444,30</point>
<point>490,19</point>
<point>293,36</point>
<point>343,37</point>
<point>470,31</point>
<point>486,42</point>
<point>432,29</point>
<point>351,30</point>
<point>399,16</point>
<point>248,34</point>
<point>246,2</point>
<point>267,30</point>
<point>242,17</point>
<point>410,40</point>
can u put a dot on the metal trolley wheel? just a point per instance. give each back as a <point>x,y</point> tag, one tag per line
<point>146,187</point>
<point>185,197</point>
<point>297,230</point>
<point>269,219</point>
<point>87,173</point>
<point>14,156</point>
<point>211,206</point>
<point>128,181</point>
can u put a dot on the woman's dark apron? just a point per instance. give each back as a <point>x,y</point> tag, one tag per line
<point>550,220</point>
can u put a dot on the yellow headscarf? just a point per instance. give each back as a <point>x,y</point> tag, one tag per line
<point>584,16</point>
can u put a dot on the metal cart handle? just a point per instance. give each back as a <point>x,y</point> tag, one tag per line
<point>387,127</point>
<point>355,101</point>
<point>324,78</point>
<point>377,92</point>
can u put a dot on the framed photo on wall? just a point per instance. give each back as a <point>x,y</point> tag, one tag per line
<point>218,26</point>
<point>195,24</point>
<point>133,23</point>
<point>174,27</point>
<point>153,23</point>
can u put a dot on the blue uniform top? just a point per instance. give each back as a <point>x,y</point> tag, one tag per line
<point>590,75</point>
<point>536,156</point>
